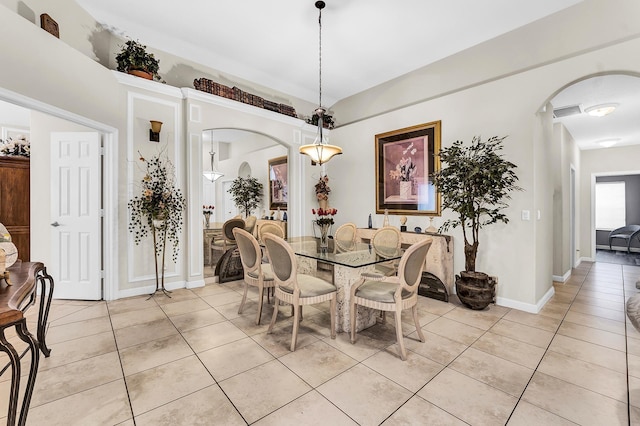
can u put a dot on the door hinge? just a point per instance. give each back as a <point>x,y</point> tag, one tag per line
<point>102,274</point>
<point>101,151</point>
<point>101,212</point>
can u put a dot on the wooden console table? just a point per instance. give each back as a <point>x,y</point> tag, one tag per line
<point>439,257</point>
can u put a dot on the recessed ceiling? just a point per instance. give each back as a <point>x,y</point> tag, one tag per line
<point>622,123</point>
<point>275,43</point>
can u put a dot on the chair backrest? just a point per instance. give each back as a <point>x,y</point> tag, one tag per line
<point>626,229</point>
<point>386,241</point>
<point>412,264</point>
<point>269,228</point>
<point>250,224</point>
<point>345,237</point>
<point>227,228</point>
<point>250,254</point>
<point>282,260</point>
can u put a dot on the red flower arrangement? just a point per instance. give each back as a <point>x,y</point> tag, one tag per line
<point>324,216</point>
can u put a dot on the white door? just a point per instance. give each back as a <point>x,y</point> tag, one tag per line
<point>229,206</point>
<point>76,193</point>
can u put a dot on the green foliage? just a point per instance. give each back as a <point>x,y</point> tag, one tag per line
<point>246,193</point>
<point>160,200</point>
<point>134,56</point>
<point>475,184</point>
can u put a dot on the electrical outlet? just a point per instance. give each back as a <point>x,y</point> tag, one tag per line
<point>526,215</point>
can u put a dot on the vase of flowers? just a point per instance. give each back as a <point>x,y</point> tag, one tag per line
<point>207,211</point>
<point>158,210</point>
<point>404,172</point>
<point>323,221</point>
<point>18,146</point>
<point>322,192</point>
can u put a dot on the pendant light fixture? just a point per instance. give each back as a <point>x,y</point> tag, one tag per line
<point>320,150</point>
<point>214,174</point>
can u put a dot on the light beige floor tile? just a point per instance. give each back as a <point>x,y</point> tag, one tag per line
<point>600,303</point>
<point>411,374</point>
<point>318,362</point>
<point>496,372</point>
<point>454,330</point>
<point>247,322</point>
<point>74,330</point>
<point>595,322</point>
<point>633,346</point>
<point>178,295</point>
<point>363,348</point>
<point>144,332</point>
<point>230,310</point>
<point>590,352</point>
<point>479,319</point>
<point>590,292</point>
<point>210,290</point>
<point>80,313</point>
<point>154,353</point>
<point>60,382</point>
<point>468,399</point>
<point>554,309</point>
<point>208,406</point>
<point>436,307</point>
<point>589,376</point>
<point>264,389</point>
<point>184,306</point>
<point>309,410</point>
<point>634,365</point>
<point>634,416</point>
<point>424,317</point>
<point>592,335</point>
<point>634,392</point>
<point>563,297</point>
<point>129,304</point>
<point>523,333</point>
<point>78,349</point>
<point>616,315</point>
<point>586,407</point>
<point>106,404</point>
<point>210,336</point>
<point>417,411</point>
<point>233,358</point>
<point>278,343</point>
<point>131,318</point>
<point>512,350</point>
<point>527,414</point>
<point>436,348</point>
<point>364,395</point>
<point>160,385</point>
<point>197,319</point>
<point>533,320</point>
<point>221,299</point>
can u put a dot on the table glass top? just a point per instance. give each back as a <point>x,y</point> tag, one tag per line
<point>362,254</point>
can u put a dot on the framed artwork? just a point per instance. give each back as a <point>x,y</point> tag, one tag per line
<point>14,133</point>
<point>278,183</point>
<point>405,162</point>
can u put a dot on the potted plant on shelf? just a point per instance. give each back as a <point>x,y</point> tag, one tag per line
<point>246,193</point>
<point>475,182</point>
<point>134,59</point>
<point>158,210</point>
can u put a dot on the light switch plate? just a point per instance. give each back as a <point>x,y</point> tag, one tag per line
<point>526,215</point>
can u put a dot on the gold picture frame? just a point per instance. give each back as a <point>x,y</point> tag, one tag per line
<point>278,183</point>
<point>405,162</point>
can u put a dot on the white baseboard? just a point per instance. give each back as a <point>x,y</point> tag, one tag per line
<point>616,248</point>
<point>562,279</point>
<point>139,291</point>
<point>587,259</point>
<point>195,284</point>
<point>527,307</point>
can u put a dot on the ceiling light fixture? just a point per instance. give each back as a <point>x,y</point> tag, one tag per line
<point>608,143</point>
<point>601,110</point>
<point>320,150</point>
<point>214,174</point>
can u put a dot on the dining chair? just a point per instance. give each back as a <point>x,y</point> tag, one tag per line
<point>386,242</point>
<point>296,289</point>
<point>228,240</point>
<point>344,238</point>
<point>256,273</point>
<point>269,228</point>
<point>393,294</point>
<point>250,224</point>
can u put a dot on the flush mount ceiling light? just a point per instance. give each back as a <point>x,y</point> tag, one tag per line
<point>320,150</point>
<point>608,143</point>
<point>601,110</point>
<point>214,174</point>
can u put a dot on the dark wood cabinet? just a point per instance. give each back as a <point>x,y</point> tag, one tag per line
<point>14,202</point>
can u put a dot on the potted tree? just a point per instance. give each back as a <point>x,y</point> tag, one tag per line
<point>134,59</point>
<point>246,193</point>
<point>475,182</point>
<point>158,210</point>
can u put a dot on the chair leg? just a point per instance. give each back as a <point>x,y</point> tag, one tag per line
<point>260,301</point>
<point>244,298</point>
<point>333,316</point>
<point>403,352</point>
<point>274,316</point>
<point>296,325</point>
<point>352,320</point>
<point>414,311</point>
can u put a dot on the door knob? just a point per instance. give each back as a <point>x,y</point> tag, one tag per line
<point>55,224</point>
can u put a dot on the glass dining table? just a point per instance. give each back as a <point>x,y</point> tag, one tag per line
<point>347,267</point>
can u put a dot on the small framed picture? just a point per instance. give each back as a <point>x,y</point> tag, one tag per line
<point>14,133</point>
<point>278,183</point>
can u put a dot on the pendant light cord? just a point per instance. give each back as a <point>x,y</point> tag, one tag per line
<point>320,6</point>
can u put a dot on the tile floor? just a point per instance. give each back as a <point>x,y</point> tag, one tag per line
<point>193,360</point>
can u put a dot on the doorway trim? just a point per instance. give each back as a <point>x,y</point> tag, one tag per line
<point>109,182</point>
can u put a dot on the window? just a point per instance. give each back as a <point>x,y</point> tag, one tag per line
<point>610,205</point>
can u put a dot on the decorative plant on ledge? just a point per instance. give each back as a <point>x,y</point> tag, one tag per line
<point>134,57</point>
<point>19,146</point>
<point>475,184</point>
<point>246,193</point>
<point>158,209</point>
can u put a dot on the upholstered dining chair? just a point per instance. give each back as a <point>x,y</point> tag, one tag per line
<point>393,294</point>
<point>386,243</point>
<point>296,289</point>
<point>344,238</point>
<point>256,273</point>
<point>250,224</point>
<point>269,228</point>
<point>228,240</point>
